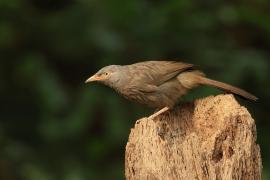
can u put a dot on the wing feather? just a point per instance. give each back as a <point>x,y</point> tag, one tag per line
<point>156,72</point>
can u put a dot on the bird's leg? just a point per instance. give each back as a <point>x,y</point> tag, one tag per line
<point>163,110</point>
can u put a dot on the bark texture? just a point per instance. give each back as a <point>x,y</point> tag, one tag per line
<point>212,138</point>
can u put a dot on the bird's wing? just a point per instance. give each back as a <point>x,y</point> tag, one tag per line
<point>155,72</point>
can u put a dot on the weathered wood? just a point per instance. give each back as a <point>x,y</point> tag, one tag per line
<point>212,138</point>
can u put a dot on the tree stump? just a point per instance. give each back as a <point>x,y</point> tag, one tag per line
<point>212,138</point>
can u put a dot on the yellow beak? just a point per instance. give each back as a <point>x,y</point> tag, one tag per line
<point>91,79</point>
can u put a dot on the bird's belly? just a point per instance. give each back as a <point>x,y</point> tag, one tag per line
<point>148,99</point>
<point>166,95</point>
<point>169,93</point>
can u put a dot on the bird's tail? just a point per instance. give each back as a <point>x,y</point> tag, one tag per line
<point>198,78</point>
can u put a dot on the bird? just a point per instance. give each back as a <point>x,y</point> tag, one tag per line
<point>159,84</point>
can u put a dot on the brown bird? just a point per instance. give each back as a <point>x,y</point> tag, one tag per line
<point>158,84</point>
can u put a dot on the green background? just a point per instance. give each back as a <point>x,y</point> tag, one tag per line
<point>53,126</point>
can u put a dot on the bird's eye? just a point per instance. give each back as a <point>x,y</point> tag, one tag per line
<point>106,74</point>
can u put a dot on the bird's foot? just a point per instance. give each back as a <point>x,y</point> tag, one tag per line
<point>163,110</point>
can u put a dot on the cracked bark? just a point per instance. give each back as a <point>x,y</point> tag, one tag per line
<point>212,138</point>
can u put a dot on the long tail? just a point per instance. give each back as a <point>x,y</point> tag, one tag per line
<point>196,78</point>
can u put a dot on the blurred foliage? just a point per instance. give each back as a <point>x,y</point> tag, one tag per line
<point>53,126</point>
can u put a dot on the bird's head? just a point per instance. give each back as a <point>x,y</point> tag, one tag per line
<point>109,75</point>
